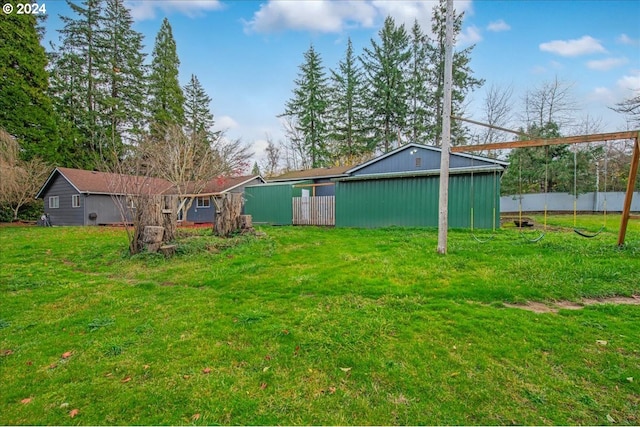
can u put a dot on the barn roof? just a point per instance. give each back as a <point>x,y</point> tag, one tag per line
<point>315,173</point>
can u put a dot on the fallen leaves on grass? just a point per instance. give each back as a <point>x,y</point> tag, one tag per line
<point>263,386</point>
<point>74,412</point>
<point>125,380</point>
<point>67,354</point>
<point>7,352</point>
<point>26,401</point>
<point>206,371</point>
<point>345,369</point>
<point>195,417</point>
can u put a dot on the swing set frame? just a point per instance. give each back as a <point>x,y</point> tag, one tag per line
<point>580,139</point>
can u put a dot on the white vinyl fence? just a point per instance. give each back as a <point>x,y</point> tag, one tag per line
<point>559,202</point>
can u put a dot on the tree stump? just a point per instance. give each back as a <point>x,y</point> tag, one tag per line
<point>227,220</point>
<point>152,238</point>
<point>244,222</point>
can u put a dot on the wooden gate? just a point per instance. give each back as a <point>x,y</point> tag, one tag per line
<point>318,210</point>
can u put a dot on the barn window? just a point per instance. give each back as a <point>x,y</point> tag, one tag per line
<point>54,202</point>
<point>203,202</point>
<point>75,201</point>
<point>418,162</point>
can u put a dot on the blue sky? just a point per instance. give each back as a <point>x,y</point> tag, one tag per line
<point>247,53</point>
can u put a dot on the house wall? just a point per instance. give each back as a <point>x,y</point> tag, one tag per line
<point>404,161</point>
<point>64,214</point>
<point>324,190</point>
<point>202,215</point>
<point>105,208</point>
<point>413,202</point>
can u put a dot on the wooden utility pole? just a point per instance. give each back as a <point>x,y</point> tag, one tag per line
<point>443,210</point>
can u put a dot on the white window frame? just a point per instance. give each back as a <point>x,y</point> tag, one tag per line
<point>200,203</point>
<point>75,200</point>
<point>54,202</point>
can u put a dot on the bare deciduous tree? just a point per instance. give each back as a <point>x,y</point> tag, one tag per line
<point>271,164</point>
<point>551,102</point>
<point>19,180</point>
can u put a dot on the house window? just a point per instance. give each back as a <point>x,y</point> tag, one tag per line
<point>54,202</point>
<point>418,162</point>
<point>203,202</point>
<point>75,201</point>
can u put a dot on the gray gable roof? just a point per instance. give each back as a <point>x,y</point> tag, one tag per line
<point>418,157</point>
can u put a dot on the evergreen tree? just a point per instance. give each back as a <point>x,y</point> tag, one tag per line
<point>198,117</point>
<point>309,108</point>
<point>463,80</point>
<point>385,66</point>
<point>348,114</point>
<point>418,99</point>
<point>166,102</point>
<point>256,169</point>
<point>26,111</point>
<point>122,76</point>
<point>77,88</point>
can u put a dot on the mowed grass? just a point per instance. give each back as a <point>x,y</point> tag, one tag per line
<point>306,325</point>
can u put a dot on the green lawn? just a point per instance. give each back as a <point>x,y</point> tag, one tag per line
<point>318,326</point>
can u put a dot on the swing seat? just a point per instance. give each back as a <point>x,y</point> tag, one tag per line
<point>583,233</point>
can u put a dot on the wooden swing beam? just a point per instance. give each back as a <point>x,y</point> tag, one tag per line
<point>539,142</point>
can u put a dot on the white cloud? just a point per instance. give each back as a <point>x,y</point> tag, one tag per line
<point>331,16</point>
<point>625,39</point>
<point>146,9</point>
<point>497,26</point>
<point>225,123</point>
<point>575,47</point>
<point>630,82</point>
<point>314,15</point>
<point>602,95</point>
<point>606,64</point>
<point>469,36</point>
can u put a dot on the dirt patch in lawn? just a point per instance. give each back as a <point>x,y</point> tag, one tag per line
<point>554,307</point>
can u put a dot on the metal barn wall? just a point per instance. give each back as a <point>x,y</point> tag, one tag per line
<point>271,203</point>
<point>413,202</point>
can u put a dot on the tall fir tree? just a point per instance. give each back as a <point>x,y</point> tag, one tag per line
<point>26,111</point>
<point>418,99</point>
<point>197,115</point>
<point>463,79</point>
<point>166,103</point>
<point>79,65</point>
<point>385,67</point>
<point>122,77</point>
<point>309,108</point>
<point>348,125</point>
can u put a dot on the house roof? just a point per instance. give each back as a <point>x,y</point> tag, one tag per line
<point>92,182</point>
<point>334,172</point>
<point>223,184</point>
<point>426,147</point>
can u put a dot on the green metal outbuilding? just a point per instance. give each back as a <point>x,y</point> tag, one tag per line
<point>411,200</point>
<point>272,203</point>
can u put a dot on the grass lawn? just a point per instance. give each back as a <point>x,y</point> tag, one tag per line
<point>308,325</point>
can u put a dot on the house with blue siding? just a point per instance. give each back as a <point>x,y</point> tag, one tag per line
<point>82,197</point>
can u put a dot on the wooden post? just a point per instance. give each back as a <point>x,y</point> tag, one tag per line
<point>633,174</point>
<point>443,210</point>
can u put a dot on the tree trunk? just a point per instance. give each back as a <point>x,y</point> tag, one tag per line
<point>228,219</point>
